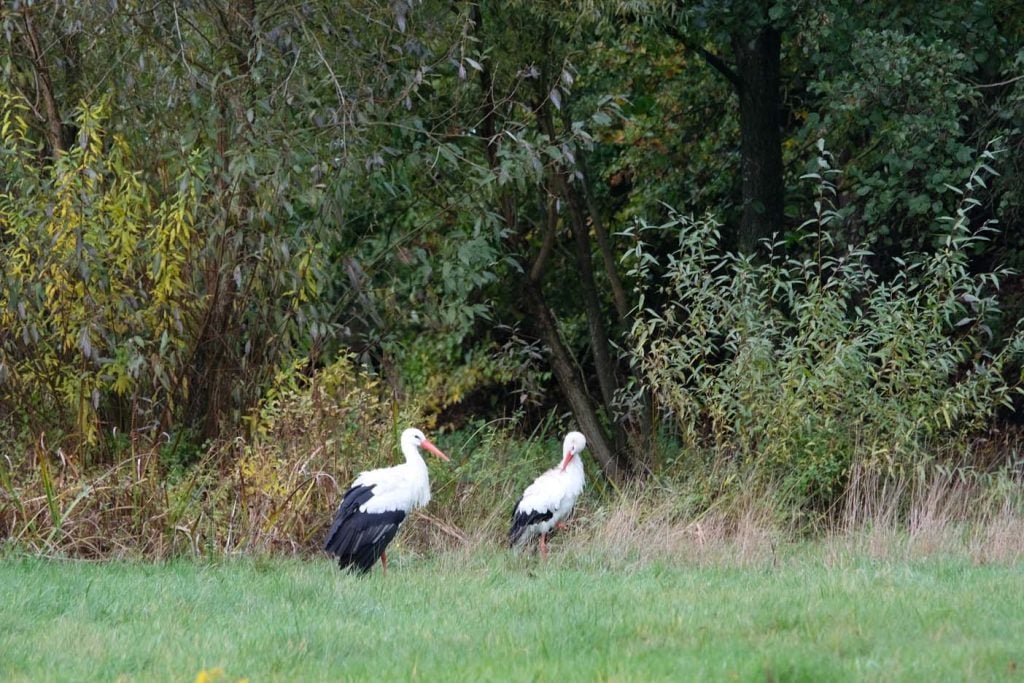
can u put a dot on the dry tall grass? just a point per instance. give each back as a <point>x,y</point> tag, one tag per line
<point>644,525</point>
<point>952,512</point>
<point>270,493</point>
<point>275,493</point>
<point>941,514</point>
<point>220,510</point>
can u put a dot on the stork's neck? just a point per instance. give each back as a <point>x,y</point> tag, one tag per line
<point>574,468</point>
<point>420,481</point>
<point>413,457</point>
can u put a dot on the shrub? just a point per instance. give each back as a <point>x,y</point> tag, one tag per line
<point>97,290</point>
<point>133,301</point>
<point>797,368</point>
<point>273,491</point>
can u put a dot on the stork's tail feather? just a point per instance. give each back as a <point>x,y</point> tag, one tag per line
<point>357,538</point>
<point>521,521</point>
<point>350,502</point>
<point>515,534</point>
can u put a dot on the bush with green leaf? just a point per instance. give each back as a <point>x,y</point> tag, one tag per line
<point>899,108</point>
<point>98,288</point>
<point>795,369</point>
<point>272,491</point>
<point>310,435</point>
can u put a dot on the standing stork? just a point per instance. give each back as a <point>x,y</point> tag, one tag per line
<point>373,509</point>
<point>549,499</point>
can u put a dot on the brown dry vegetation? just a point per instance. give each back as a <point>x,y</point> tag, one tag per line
<point>274,493</point>
<point>118,515</point>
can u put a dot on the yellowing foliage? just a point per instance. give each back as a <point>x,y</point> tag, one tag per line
<point>311,433</point>
<point>98,289</point>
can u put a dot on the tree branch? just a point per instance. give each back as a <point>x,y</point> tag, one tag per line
<point>540,316</point>
<point>604,245</point>
<point>44,86</point>
<point>561,182</point>
<point>567,374</point>
<point>711,58</point>
<point>548,243</point>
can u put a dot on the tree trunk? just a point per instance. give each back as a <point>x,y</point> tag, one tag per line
<point>562,362</point>
<point>622,306</point>
<point>603,364</point>
<point>44,88</point>
<point>571,384</point>
<point>562,183</point>
<point>756,77</point>
<point>758,67</point>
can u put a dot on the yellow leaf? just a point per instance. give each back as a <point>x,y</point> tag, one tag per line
<point>205,676</point>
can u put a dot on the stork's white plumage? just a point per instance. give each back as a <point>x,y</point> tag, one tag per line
<point>550,498</point>
<point>377,503</point>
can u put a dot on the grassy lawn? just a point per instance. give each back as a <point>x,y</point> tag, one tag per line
<point>491,617</point>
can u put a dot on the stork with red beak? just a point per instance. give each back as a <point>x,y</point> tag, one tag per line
<point>550,498</point>
<point>377,503</point>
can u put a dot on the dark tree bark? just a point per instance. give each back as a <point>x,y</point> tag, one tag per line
<point>571,384</point>
<point>603,363</point>
<point>562,183</point>
<point>643,426</point>
<point>622,307</point>
<point>50,115</point>
<point>216,362</point>
<point>584,215</point>
<point>71,50</point>
<point>758,65</point>
<point>756,77</point>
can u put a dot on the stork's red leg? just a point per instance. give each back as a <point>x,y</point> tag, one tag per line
<point>561,526</point>
<point>543,547</point>
<point>384,561</point>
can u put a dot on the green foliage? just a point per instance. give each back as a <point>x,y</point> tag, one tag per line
<point>310,436</point>
<point>98,294</point>
<point>177,454</point>
<point>1008,120</point>
<point>430,301</point>
<point>273,491</point>
<point>268,187</point>
<point>901,102</point>
<point>799,368</point>
<point>641,162</point>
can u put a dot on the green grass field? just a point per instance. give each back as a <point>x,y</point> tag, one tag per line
<point>492,617</point>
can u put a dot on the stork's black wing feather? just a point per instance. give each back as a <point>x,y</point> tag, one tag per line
<point>521,520</point>
<point>350,502</point>
<point>357,538</point>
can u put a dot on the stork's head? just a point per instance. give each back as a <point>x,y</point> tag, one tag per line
<point>414,438</point>
<point>572,446</point>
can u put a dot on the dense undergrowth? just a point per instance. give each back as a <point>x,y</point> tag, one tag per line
<point>838,406</point>
<point>792,396</point>
<point>800,371</point>
<point>192,245</point>
<point>274,493</point>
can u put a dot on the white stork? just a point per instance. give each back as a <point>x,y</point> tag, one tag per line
<point>376,505</point>
<point>549,499</point>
